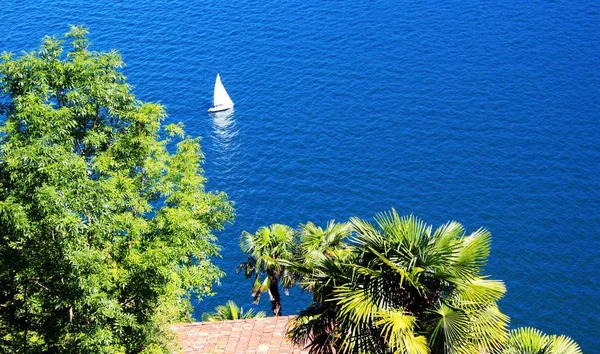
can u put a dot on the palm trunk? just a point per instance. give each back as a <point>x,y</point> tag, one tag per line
<point>275,296</point>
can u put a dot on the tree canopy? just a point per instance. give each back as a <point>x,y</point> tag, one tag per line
<point>266,249</point>
<point>395,285</point>
<point>401,287</point>
<point>106,228</point>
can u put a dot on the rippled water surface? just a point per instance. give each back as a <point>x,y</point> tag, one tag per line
<point>480,112</point>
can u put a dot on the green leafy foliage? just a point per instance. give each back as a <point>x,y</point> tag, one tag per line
<point>231,311</point>
<point>267,249</point>
<point>104,233</point>
<point>397,286</point>
<point>529,340</point>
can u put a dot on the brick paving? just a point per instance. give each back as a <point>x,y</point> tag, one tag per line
<point>262,335</point>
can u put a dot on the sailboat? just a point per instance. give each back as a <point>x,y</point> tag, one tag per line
<point>221,100</point>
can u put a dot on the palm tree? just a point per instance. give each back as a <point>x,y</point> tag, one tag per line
<point>266,249</point>
<point>402,288</point>
<point>315,245</point>
<point>532,341</point>
<point>231,311</point>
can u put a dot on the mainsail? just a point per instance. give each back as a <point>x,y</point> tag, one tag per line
<point>221,100</point>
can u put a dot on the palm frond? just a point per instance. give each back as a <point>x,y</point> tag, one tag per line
<point>451,331</point>
<point>315,329</point>
<point>489,328</point>
<point>389,223</point>
<point>563,345</point>
<point>230,311</point>
<point>473,254</point>
<point>410,275</point>
<point>259,287</point>
<point>398,330</point>
<point>247,242</point>
<point>251,313</point>
<point>365,232</point>
<point>416,233</point>
<point>356,304</point>
<point>264,286</point>
<point>248,267</point>
<point>446,234</point>
<point>289,278</point>
<point>233,309</point>
<point>526,340</point>
<point>529,340</point>
<point>477,292</point>
<point>314,257</point>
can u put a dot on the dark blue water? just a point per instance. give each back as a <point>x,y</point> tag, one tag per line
<point>480,112</point>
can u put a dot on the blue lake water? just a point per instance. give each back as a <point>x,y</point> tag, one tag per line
<point>487,113</point>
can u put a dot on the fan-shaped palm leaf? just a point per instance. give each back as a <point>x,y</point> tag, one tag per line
<point>563,345</point>
<point>398,329</point>
<point>529,340</point>
<point>231,311</point>
<point>489,328</point>
<point>476,292</point>
<point>317,238</point>
<point>357,304</point>
<point>472,256</point>
<point>451,331</point>
<point>526,340</point>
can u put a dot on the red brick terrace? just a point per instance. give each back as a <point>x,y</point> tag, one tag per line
<point>264,335</point>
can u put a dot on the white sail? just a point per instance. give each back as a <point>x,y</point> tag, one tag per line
<point>221,100</point>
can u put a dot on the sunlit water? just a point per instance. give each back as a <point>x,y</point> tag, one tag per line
<point>482,112</point>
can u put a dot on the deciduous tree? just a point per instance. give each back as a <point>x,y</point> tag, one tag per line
<point>104,231</point>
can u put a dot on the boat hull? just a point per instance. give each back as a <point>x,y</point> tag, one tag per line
<point>219,108</point>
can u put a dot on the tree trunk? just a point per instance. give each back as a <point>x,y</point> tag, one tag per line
<point>275,296</point>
